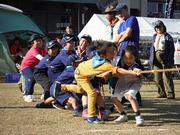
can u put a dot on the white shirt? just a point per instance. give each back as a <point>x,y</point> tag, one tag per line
<point>159,43</point>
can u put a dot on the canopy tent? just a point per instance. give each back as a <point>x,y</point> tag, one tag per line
<point>12,21</point>
<point>97,24</point>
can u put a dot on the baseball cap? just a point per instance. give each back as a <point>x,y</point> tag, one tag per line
<point>109,9</point>
<point>34,37</point>
<point>52,43</point>
<point>67,38</point>
<point>87,37</point>
<point>120,7</point>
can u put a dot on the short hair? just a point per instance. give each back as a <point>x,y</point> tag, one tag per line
<point>103,46</point>
<point>132,50</point>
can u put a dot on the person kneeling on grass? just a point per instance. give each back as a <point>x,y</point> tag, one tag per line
<point>127,86</point>
<point>99,64</point>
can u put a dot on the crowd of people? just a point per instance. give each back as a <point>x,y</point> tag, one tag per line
<point>72,71</point>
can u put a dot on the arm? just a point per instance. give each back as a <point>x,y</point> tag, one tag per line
<point>125,35</point>
<point>122,71</point>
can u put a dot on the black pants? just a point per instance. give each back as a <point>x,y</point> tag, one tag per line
<point>41,77</point>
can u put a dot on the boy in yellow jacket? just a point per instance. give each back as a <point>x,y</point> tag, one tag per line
<point>96,66</point>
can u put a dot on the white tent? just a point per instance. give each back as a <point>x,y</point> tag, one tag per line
<point>96,27</point>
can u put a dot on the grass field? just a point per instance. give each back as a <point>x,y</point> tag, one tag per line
<point>162,117</point>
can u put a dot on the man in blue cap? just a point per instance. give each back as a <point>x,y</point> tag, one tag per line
<point>63,59</point>
<point>40,70</point>
<point>128,33</point>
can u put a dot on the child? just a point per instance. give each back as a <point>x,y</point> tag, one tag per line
<point>32,58</point>
<point>63,59</point>
<point>128,86</point>
<point>62,71</point>
<point>95,66</point>
<point>40,71</point>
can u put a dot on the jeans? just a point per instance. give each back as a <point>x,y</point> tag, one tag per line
<point>29,80</point>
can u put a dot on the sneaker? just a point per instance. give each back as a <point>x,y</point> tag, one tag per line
<point>28,98</point>
<point>58,106</point>
<point>94,120</point>
<point>139,120</point>
<point>121,118</point>
<point>43,105</point>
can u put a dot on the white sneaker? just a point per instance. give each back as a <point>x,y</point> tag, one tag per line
<point>28,98</point>
<point>139,120</point>
<point>121,118</point>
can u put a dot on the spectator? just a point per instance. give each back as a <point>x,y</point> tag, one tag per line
<point>69,31</point>
<point>161,57</point>
<point>128,32</point>
<point>113,23</point>
<point>15,47</point>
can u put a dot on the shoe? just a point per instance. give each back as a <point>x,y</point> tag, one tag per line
<point>139,120</point>
<point>58,106</point>
<point>121,118</point>
<point>43,105</point>
<point>28,98</point>
<point>85,114</point>
<point>94,120</point>
<point>77,113</point>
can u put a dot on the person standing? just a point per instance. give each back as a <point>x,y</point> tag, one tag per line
<point>128,32</point>
<point>161,57</point>
<point>31,59</point>
<point>113,23</point>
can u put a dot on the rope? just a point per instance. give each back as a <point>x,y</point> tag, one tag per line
<point>160,70</point>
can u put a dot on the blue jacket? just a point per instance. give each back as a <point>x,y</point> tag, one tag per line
<point>168,57</point>
<point>61,61</point>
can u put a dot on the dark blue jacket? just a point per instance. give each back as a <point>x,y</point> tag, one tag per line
<point>57,66</point>
<point>168,57</point>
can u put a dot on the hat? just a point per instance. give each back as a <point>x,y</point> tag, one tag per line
<point>87,37</point>
<point>34,37</point>
<point>67,38</point>
<point>120,7</point>
<point>52,43</point>
<point>158,23</point>
<point>109,9</point>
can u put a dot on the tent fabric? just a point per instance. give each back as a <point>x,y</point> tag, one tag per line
<point>12,23</point>
<point>97,24</point>
<point>6,63</point>
<point>16,21</point>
